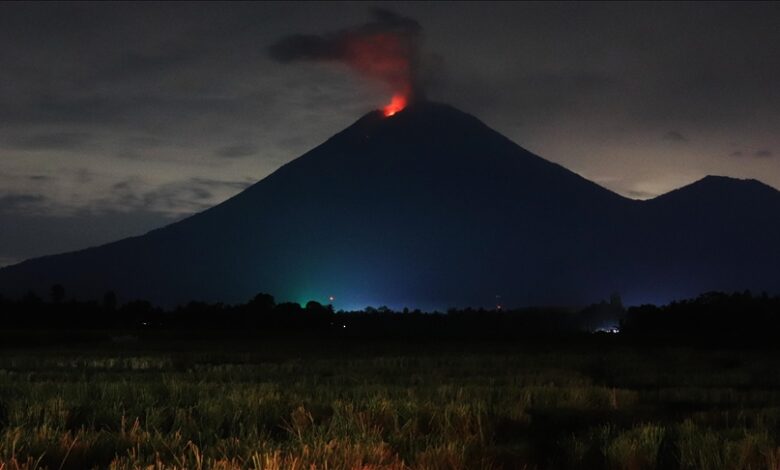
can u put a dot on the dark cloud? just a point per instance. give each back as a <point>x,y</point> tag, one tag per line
<point>129,154</point>
<point>577,81</point>
<point>124,185</point>
<point>15,202</point>
<point>183,196</point>
<point>763,153</point>
<point>675,136</point>
<point>238,185</point>
<point>84,176</point>
<point>176,197</point>
<point>237,150</point>
<point>134,194</point>
<point>143,141</point>
<point>50,141</point>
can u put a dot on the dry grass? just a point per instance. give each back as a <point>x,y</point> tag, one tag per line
<point>393,409</point>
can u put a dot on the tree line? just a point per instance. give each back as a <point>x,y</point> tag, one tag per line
<point>711,316</point>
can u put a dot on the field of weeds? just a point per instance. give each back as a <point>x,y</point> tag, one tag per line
<point>305,404</point>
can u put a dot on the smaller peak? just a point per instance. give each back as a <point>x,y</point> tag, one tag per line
<point>714,186</point>
<point>718,181</point>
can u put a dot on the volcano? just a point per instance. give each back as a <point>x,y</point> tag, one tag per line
<point>431,208</point>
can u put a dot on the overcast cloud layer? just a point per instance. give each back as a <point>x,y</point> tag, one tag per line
<point>118,118</point>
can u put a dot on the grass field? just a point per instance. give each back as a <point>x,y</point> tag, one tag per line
<point>306,404</point>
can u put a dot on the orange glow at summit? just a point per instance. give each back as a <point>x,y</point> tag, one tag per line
<point>396,104</point>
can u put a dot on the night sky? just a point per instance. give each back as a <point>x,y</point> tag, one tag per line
<point>119,118</point>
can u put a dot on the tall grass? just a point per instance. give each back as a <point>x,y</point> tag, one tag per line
<point>394,406</point>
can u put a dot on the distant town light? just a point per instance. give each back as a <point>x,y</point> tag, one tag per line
<point>610,329</point>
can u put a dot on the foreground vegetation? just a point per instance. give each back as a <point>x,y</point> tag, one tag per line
<point>152,402</point>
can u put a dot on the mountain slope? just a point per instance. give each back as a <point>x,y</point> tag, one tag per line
<point>717,233</point>
<point>428,208</point>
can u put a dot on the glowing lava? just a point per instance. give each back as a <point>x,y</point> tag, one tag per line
<point>396,104</point>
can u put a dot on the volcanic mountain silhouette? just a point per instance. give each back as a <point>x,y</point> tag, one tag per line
<point>431,208</point>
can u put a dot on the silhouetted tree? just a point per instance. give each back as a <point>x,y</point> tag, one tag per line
<point>57,293</point>
<point>318,315</point>
<point>262,303</point>
<point>109,301</point>
<point>31,298</point>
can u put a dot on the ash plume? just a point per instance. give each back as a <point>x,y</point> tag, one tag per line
<point>386,49</point>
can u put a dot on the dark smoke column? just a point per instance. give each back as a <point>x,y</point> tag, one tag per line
<point>386,49</point>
